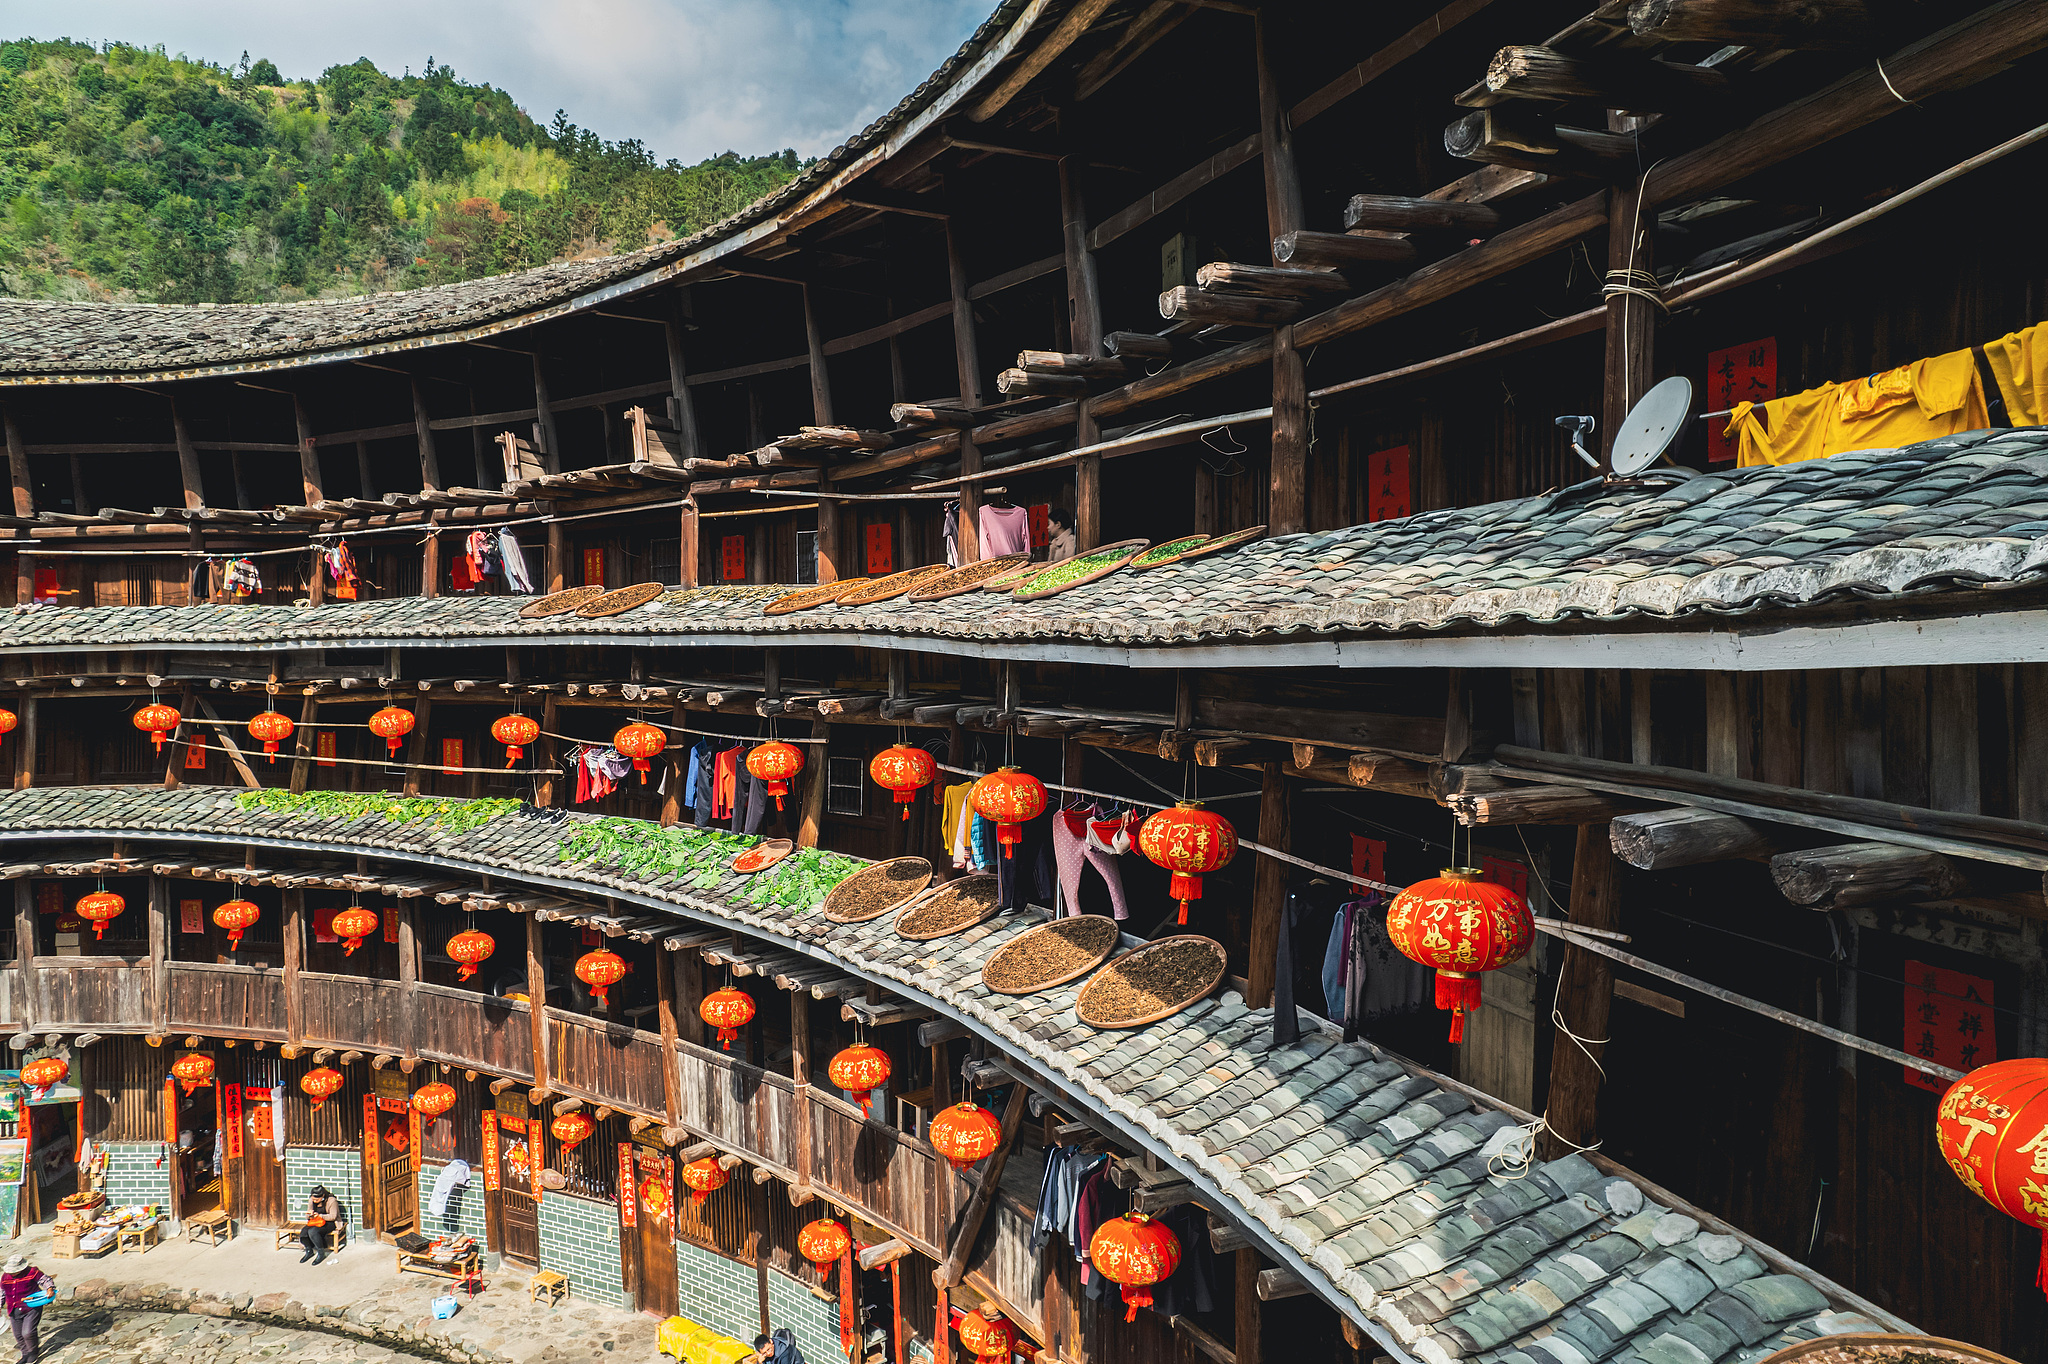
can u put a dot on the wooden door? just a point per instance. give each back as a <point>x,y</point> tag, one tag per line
<point>393,1198</point>
<point>260,1191</point>
<point>517,1156</point>
<point>654,1195</point>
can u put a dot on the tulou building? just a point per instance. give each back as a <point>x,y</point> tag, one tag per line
<point>886,769</point>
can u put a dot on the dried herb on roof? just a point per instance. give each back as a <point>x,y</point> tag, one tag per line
<point>455,816</point>
<point>702,860</point>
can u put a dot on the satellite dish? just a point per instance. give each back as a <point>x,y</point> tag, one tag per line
<point>1652,426</point>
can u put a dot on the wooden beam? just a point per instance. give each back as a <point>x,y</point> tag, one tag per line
<point>1585,992</point>
<point>423,434</point>
<point>1183,303</point>
<point>1517,136</point>
<point>1269,887</point>
<point>954,1268</point>
<point>1659,840</point>
<point>682,411</point>
<point>188,462</point>
<point>1540,805</point>
<point>1810,25</point>
<point>1852,875</point>
<point>1637,84</point>
<point>1077,21</point>
<point>1396,213</point>
<point>1279,1283</point>
<point>19,473</point>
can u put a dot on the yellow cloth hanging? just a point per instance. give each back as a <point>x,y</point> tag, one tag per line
<point>1783,430</point>
<point>2019,364</point>
<point>1938,396</point>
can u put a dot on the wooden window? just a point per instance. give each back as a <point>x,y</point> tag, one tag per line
<point>665,560</point>
<point>806,556</point>
<point>846,791</point>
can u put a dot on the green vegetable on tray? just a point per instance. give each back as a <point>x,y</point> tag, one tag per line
<point>1071,570</point>
<point>456,816</point>
<point>1167,550</point>
<point>701,859</point>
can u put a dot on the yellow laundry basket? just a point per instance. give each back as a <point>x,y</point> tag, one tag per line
<point>686,1342</point>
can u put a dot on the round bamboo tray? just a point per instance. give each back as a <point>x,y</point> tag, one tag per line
<point>1217,544</point>
<point>1152,982</point>
<point>1112,557</point>
<point>1166,552</point>
<point>619,602</point>
<point>1883,1349</point>
<point>804,598</point>
<point>762,856</point>
<point>966,578</point>
<point>876,890</point>
<point>560,603</point>
<point>953,908</point>
<point>1051,954</point>
<point>891,587</point>
<point>1010,577</point>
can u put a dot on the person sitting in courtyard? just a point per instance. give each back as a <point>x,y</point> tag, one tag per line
<point>324,1218</point>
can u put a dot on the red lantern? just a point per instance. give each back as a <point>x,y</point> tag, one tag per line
<point>353,925</point>
<point>514,731</point>
<point>727,1010</point>
<point>822,1242</point>
<point>158,721</point>
<point>45,1073</point>
<point>1009,796</point>
<point>640,741</point>
<point>704,1178</point>
<point>1136,1252</point>
<point>8,721</point>
<point>319,1084</point>
<point>1461,924</point>
<point>99,907</point>
<point>571,1128</point>
<point>1190,842</point>
<point>391,724</point>
<point>601,970</point>
<point>965,1133</point>
<point>193,1070</point>
<point>273,729</point>
<point>904,770</point>
<point>775,762</point>
<point>468,948</point>
<point>434,1100</point>
<point>860,1071</point>
<point>235,916</point>
<point>1992,1129</point>
<point>988,1333</point>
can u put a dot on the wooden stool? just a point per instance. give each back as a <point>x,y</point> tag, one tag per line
<point>556,1286</point>
<point>214,1226</point>
<point>138,1238</point>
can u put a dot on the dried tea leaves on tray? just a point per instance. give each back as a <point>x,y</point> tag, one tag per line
<point>966,578</point>
<point>953,908</point>
<point>1082,568</point>
<point>873,891</point>
<point>805,598</point>
<point>621,601</point>
<point>1051,954</point>
<point>560,603</point>
<point>1010,577</point>
<point>1166,553</point>
<point>1220,543</point>
<point>1153,982</point>
<point>895,585</point>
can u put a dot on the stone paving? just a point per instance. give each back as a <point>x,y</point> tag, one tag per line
<point>244,1301</point>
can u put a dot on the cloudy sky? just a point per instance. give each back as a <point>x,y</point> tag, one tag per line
<point>691,78</point>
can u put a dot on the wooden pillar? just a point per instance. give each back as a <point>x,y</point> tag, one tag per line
<point>830,552</point>
<point>305,742</point>
<point>942,1099</point>
<point>1248,1306</point>
<point>1084,330</point>
<point>430,562</point>
<point>1585,992</point>
<point>800,1072</point>
<point>430,462</point>
<point>25,746</point>
<point>550,754</point>
<point>316,576</point>
<point>25,953</point>
<point>967,373</point>
<point>1288,490</point>
<point>821,378</point>
<point>188,462</point>
<point>688,551</point>
<point>408,976</point>
<point>416,751</point>
<point>18,471</point>
<point>159,953</point>
<point>682,414</point>
<point>366,485</point>
<point>665,1017</point>
<point>294,957</point>
<point>544,419</point>
<point>555,565</point>
<point>24,577</point>
<point>814,786</point>
<point>537,999</point>
<point>309,455</point>
<point>679,769</point>
<point>1631,319</point>
<point>969,538</point>
<point>1269,886</point>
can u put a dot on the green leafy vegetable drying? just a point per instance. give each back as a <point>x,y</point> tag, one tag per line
<point>702,860</point>
<point>455,816</point>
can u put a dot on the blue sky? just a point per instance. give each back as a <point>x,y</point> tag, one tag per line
<point>691,78</point>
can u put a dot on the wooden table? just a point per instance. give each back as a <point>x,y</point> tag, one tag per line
<point>466,1265</point>
<point>137,1238</point>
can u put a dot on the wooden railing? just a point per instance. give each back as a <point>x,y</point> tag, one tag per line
<point>111,994</point>
<point>608,1062</point>
<point>466,1028</point>
<point>242,1001</point>
<point>352,1011</point>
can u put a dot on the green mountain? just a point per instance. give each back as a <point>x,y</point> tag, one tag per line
<point>129,174</point>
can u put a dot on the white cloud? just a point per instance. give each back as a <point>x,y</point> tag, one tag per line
<point>690,78</point>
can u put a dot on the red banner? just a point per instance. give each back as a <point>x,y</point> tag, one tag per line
<point>323,747</point>
<point>369,1130</point>
<point>629,1207</point>
<point>1386,496</point>
<point>451,755</point>
<point>1368,859</point>
<point>490,1153</point>
<point>593,568</point>
<point>1041,523</point>
<point>231,1119</point>
<point>195,752</point>
<point>1948,1021</point>
<point>1740,374</point>
<point>390,921</point>
<point>415,1141</point>
<point>323,925</point>
<point>191,916</point>
<point>732,558</point>
<point>880,550</point>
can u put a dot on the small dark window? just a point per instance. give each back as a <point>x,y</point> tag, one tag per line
<point>846,792</point>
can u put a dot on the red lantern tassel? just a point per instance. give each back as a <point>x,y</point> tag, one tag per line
<point>697,1197</point>
<point>464,971</point>
<point>1457,991</point>
<point>640,766</point>
<point>726,1036</point>
<point>779,789</point>
<point>1009,835</point>
<point>2041,1275</point>
<point>512,754</point>
<point>904,798</point>
<point>1136,1296</point>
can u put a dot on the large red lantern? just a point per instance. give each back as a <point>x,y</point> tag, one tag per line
<point>775,762</point>
<point>1992,1129</point>
<point>704,1178</point>
<point>904,770</point>
<point>193,1070</point>
<point>1009,796</point>
<point>1190,842</point>
<point>514,731</point>
<point>234,916</point>
<point>727,1010</point>
<point>965,1133</point>
<point>823,1241</point>
<point>8,720</point>
<point>272,729</point>
<point>321,1083</point>
<point>158,720</point>
<point>571,1129</point>
<point>434,1100</point>
<point>469,947</point>
<point>1136,1252</point>
<point>988,1333</point>
<point>99,907</point>
<point>601,970</point>
<point>45,1073</point>
<point>1462,924</point>
<point>391,724</point>
<point>353,925</point>
<point>860,1071</point>
<point>640,741</point>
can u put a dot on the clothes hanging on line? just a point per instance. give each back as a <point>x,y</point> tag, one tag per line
<point>1004,530</point>
<point>1392,983</point>
<point>949,819</point>
<point>952,535</point>
<point>1059,1193</point>
<point>1079,841</point>
<point>517,577</point>
<point>1938,396</point>
<point>241,580</point>
<point>724,779</point>
<point>340,562</point>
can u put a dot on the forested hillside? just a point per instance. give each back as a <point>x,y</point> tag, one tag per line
<point>127,173</point>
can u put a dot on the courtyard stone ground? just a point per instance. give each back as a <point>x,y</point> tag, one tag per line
<point>244,1301</point>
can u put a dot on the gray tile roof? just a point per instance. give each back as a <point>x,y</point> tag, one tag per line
<point>114,340</point>
<point>1964,511</point>
<point>1375,1175</point>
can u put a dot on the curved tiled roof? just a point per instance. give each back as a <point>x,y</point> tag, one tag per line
<point>1372,1179</point>
<point>1962,511</point>
<point>44,340</point>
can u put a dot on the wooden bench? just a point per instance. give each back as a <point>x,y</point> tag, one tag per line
<point>288,1235</point>
<point>214,1226</point>
<point>556,1286</point>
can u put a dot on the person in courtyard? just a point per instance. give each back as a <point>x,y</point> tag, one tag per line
<point>1060,543</point>
<point>324,1214</point>
<point>23,1284</point>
